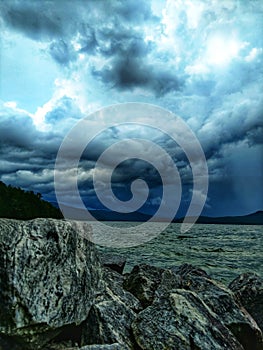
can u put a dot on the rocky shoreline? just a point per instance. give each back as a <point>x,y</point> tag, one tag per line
<point>56,293</point>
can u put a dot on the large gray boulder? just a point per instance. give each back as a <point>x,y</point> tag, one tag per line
<point>222,302</point>
<point>109,320</point>
<point>248,290</point>
<point>49,278</point>
<point>181,321</point>
<point>115,281</point>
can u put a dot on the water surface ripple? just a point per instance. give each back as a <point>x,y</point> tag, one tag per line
<point>223,251</point>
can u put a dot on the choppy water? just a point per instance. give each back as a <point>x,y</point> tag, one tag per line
<point>223,251</point>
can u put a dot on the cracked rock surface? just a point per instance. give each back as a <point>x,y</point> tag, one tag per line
<point>49,276</point>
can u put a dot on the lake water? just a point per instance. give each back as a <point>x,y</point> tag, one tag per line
<point>223,251</point>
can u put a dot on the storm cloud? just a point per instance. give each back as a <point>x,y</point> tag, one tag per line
<point>201,60</point>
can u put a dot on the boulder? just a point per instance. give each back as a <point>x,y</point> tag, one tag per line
<point>142,282</point>
<point>56,295</point>
<point>115,281</point>
<point>181,321</point>
<point>221,301</point>
<point>114,346</point>
<point>110,318</point>
<point>186,269</point>
<point>109,321</point>
<point>49,277</point>
<point>64,345</point>
<point>113,261</point>
<point>149,283</point>
<point>248,290</point>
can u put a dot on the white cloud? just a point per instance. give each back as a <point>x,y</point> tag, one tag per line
<point>194,12</point>
<point>255,52</point>
<point>198,68</point>
<point>222,50</point>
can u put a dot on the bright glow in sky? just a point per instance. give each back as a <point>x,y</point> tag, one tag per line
<point>221,50</point>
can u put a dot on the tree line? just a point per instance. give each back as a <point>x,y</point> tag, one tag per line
<point>17,203</point>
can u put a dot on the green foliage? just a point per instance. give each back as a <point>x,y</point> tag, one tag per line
<point>16,203</point>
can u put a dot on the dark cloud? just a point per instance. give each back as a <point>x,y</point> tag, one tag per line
<point>255,136</point>
<point>27,154</point>
<point>128,171</point>
<point>45,20</point>
<point>130,11</point>
<point>115,36</point>
<point>87,39</point>
<point>130,63</point>
<point>132,72</point>
<point>233,118</point>
<point>121,41</point>
<point>62,52</point>
<point>17,131</point>
<point>27,17</point>
<point>129,66</point>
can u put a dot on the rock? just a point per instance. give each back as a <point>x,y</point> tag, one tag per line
<point>109,321</point>
<point>110,318</point>
<point>114,346</point>
<point>142,282</point>
<point>114,262</point>
<point>181,320</point>
<point>64,345</point>
<point>186,269</point>
<point>49,277</point>
<point>115,282</point>
<point>248,289</point>
<point>149,283</point>
<point>222,302</point>
<point>56,295</point>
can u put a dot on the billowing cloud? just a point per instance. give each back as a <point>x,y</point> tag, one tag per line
<point>200,59</point>
<point>27,154</point>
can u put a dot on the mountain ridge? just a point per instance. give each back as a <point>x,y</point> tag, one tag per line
<point>255,218</point>
<point>19,204</point>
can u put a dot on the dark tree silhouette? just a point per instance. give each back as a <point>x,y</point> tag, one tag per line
<point>19,204</point>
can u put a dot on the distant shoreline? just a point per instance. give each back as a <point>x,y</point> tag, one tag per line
<point>104,215</point>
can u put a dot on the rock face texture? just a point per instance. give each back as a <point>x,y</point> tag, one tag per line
<point>114,262</point>
<point>191,310</point>
<point>142,282</point>
<point>181,320</point>
<point>248,290</point>
<point>55,294</point>
<point>49,277</point>
<point>222,302</point>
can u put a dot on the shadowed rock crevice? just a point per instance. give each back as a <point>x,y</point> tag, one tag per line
<point>53,235</point>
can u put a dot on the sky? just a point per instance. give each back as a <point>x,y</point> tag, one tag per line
<point>61,61</point>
